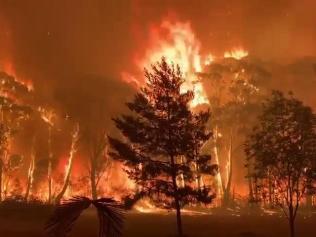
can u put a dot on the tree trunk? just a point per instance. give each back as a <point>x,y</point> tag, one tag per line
<point>176,198</point>
<point>291,221</point>
<point>49,169</point>
<point>30,175</point>
<point>178,208</point>
<point>1,174</point>
<point>179,221</point>
<point>70,164</point>
<point>250,185</point>
<point>270,189</point>
<point>227,193</point>
<point>218,176</point>
<point>27,192</point>
<point>92,180</point>
<point>256,189</point>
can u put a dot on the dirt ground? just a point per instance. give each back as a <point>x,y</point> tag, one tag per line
<point>18,223</point>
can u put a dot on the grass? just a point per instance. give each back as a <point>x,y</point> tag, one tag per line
<point>28,220</point>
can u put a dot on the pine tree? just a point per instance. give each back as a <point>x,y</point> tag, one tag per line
<point>162,142</point>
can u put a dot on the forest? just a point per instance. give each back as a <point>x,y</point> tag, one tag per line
<point>153,119</point>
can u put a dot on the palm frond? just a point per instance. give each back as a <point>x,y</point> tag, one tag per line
<point>63,218</point>
<point>110,217</point>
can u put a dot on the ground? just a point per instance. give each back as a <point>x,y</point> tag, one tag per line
<point>17,222</point>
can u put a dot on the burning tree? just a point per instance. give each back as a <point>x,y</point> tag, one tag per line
<point>163,140</point>
<point>282,149</point>
<point>30,174</point>
<point>13,110</point>
<point>48,115</point>
<point>98,160</point>
<point>73,149</point>
<point>235,89</point>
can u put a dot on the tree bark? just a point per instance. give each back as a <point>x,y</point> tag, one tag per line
<point>218,176</point>
<point>70,164</point>
<point>176,198</point>
<point>30,174</point>
<point>1,174</point>
<point>250,186</point>
<point>227,193</point>
<point>93,181</point>
<point>291,221</point>
<point>49,169</point>
<point>270,189</point>
<point>178,208</point>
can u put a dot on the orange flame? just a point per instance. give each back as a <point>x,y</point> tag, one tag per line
<point>236,54</point>
<point>10,70</point>
<point>178,44</point>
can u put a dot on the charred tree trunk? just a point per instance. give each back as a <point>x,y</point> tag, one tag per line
<point>292,220</point>
<point>98,149</point>
<point>250,184</point>
<point>30,177</point>
<point>256,190</point>
<point>49,169</point>
<point>227,192</point>
<point>94,193</point>
<point>70,164</point>
<point>270,189</point>
<point>176,198</point>
<point>1,178</point>
<point>218,176</point>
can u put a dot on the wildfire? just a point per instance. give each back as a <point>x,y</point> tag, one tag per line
<point>30,175</point>
<point>236,54</point>
<point>178,44</point>
<point>47,115</point>
<point>10,70</point>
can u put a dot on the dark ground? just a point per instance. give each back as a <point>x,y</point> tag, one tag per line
<point>17,222</point>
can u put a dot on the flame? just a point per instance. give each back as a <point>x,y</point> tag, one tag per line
<point>145,206</point>
<point>30,175</point>
<point>175,41</point>
<point>178,44</point>
<point>10,70</point>
<point>47,115</point>
<point>236,54</point>
<point>73,150</point>
<point>209,59</point>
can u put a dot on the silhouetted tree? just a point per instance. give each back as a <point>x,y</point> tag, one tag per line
<point>162,142</point>
<point>282,148</point>
<point>110,216</point>
<point>98,159</point>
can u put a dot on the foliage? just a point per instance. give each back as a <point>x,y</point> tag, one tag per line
<point>162,141</point>
<point>282,149</point>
